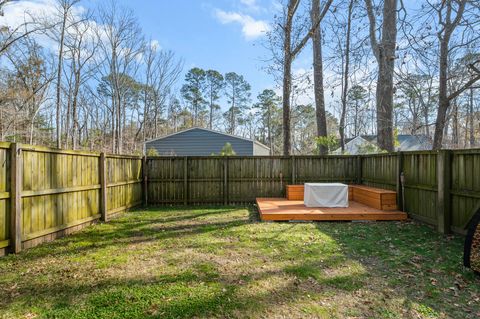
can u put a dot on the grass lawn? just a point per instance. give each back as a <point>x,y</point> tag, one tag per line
<point>214,262</point>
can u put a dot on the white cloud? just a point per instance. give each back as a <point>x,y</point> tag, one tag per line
<point>251,28</point>
<point>36,13</point>
<point>251,5</point>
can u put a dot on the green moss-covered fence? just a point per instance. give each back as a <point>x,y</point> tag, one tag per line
<point>47,193</point>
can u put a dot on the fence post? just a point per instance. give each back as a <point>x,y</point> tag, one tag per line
<point>398,180</point>
<point>103,187</point>
<point>294,171</point>
<point>225,180</point>
<point>185,180</point>
<point>144,181</point>
<point>359,170</point>
<point>16,198</point>
<point>443,198</point>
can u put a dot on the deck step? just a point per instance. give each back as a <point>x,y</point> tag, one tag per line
<point>282,209</point>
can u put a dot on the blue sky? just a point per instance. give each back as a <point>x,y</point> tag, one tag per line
<point>225,35</point>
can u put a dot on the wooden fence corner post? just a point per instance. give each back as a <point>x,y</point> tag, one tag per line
<point>16,197</point>
<point>444,211</point>
<point>103,187</point>
<point>185,180</point>
<point>398,180</point>
<point>144,181</point>
<point>358,170</point>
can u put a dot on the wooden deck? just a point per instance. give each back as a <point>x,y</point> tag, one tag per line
<point>281,209</point>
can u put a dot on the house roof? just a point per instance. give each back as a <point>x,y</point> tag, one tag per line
<point>407,142</point>
<point>208,130</point>
<point>353,145</point>
<point>414,143</point>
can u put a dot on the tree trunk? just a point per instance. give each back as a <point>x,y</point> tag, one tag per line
<point>386,60</point>
<point>443,101</point>
<point>75,110</point>
<point>232,113</point>
<point>385,55</point>
<point>210,120</point>
<point>346,73</point>
<point>455,133</point>
<point>269,127</point>
<point>59,81</point>
<point>318,77</point>
<point>287,83</point>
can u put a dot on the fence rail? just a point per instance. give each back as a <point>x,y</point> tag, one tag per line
<point>46,193</point>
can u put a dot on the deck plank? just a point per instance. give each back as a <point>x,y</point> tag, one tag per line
<point>281,209</point>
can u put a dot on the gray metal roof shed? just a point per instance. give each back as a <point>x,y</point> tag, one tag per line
<point>199,141</point>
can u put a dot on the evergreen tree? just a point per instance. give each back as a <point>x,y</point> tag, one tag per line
<point>193,92</point>
<point>268,112</point>
<point>214,85</point>
<point>238,96</point>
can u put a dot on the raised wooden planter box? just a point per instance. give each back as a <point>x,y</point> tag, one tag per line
<point>381,199</point>
<point>295,192</point>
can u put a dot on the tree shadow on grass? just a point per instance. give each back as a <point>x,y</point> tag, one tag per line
<point>187,294</point>
<point>131,229</point>
<point>419,264</point>
<point>378,252</point>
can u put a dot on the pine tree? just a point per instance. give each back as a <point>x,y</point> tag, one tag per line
<point>238,95</point>
<point>193,91</point>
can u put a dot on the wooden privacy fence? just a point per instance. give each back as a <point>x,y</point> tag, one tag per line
<point>46,193</point>
<point>236,180</point>
<point>439,188</point>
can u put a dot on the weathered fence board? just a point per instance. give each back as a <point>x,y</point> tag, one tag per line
<point>379,170</point>
<point>59,191</point>
<point>196,180</point>
<point>4,195</point>
<point>465,186</point>
<point>252,177</point>
<point>420,198</point>
<point>124,182</point>
<point>166,180</point>
<point>325,169</point>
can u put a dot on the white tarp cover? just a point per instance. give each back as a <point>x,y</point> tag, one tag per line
<point>326,195</point>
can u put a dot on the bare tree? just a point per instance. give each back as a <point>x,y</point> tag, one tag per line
<point>451,15</point>
<point>345,74</point>
<point>121,44</point>
<point>82,44</point>
<point>64,8</point>
<point>320,115</point>
<point>9,35</point>
<point>384,52</point>
<point>292,46</point>
<point>27,87</point>
<point>167,71</point>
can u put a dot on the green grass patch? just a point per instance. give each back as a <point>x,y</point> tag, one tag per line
<point>220,262</point>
